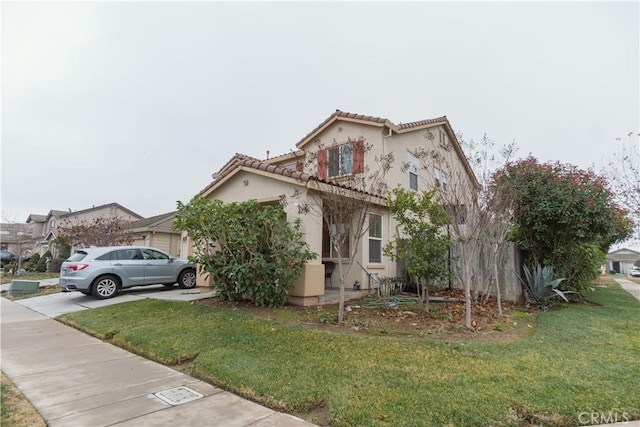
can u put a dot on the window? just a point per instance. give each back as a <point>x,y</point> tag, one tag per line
<point>441,179</point>
<point>342,160</point>
<point>375,238</point>
<point>151,254</point>
<point>413,172</point>
<point>459,212</point>
<point>328,251</point>
<point>442,138</point>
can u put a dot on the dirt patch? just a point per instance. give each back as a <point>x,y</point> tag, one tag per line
<point>403,315</point>
<point>16,409</point>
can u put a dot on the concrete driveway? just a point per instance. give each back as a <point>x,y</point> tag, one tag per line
<point>68,302</point>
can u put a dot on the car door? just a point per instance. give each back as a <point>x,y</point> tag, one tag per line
<point>158,267</point>
<point>128,264</point>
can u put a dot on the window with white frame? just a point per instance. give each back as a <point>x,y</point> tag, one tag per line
<point>328,249</point>
<point>413,172</point>
<point>441,179</point>
<point>375,238</point>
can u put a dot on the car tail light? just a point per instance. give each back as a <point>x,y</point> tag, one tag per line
<point>77,267</point>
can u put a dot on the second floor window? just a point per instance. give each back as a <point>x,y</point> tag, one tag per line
<point>441,179</point>
<point>342,160</point>
<point>413,172</point>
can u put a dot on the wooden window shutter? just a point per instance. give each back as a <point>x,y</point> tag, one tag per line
<point>299,167</point>
<point>322,163</point>
<point>358,156</point>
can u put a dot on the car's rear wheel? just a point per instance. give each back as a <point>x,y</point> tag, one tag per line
<point>105,287</point>
<point>187,279</point>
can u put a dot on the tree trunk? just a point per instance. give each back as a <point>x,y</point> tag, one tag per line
<point>341,304</point>
<point>495,273</point>
<point>467,285</point>
<point>426,295</point>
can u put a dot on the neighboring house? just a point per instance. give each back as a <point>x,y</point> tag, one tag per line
<point>156,231</point>
<point>61,218</point>
<point>622,260</point>
<point>323,158</point>
<point>15,238</point>
<point>38,233</point>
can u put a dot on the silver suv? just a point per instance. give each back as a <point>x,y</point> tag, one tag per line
<point>104,271</point>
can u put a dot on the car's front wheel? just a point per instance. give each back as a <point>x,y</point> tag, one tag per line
<point>187,279</point>
<point>105,287</point>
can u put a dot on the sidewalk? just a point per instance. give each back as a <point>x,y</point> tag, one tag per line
<point>73,379</point>
<point>629,286</point>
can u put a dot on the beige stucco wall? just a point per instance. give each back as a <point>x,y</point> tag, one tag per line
<point>104,212</point>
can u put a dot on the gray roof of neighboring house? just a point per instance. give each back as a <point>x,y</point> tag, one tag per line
<point>151,221</point>
<point>37,218</point>
<point>116,205</point>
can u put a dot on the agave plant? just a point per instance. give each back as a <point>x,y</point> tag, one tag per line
<point>540,286</point>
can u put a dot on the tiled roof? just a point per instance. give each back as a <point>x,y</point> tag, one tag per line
<point>422,123</point>
<point>238,161</point>
<point>342,114</point>
<point>230,163</point>
<point>291,154</point>
<point>374,120</point>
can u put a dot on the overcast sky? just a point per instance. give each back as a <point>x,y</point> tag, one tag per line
<point>139,103</point>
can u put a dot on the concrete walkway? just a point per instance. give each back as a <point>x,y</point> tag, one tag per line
<point>73,379</point>
<point>629,286</point>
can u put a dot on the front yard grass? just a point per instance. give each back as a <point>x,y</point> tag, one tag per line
<point>7,278</point>
<point>578,360</point>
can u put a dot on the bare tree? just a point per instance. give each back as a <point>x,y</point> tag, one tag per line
<point>496,202</point>
<point>344,193</point>
<point>102,231</point>
<point>623,172</point>
<point>462,184</point>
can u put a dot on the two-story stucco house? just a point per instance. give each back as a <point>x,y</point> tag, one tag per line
<point>328,156</point>
<point>57,218</point>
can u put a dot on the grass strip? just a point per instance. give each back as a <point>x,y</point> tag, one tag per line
<point>581,359</point>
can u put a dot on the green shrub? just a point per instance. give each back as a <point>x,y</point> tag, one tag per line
<point>41,266</point>
<point>33,262</point>
<point>258,253</point>
<point>9,267</point>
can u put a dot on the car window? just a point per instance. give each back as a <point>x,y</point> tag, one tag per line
<point>128,254</point>
<point>78,256</point>
<point>151,254</point>
<point>109,256</point>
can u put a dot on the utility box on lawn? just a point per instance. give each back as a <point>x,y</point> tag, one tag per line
<point>23,287</point>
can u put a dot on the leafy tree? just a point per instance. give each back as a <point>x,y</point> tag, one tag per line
<point>249,249</point>
<point>421,219</point>
<point>564,217</point>
<point>102,231</point>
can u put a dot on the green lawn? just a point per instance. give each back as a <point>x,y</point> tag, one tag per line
<point>579,359</point>
<point>7,278</point>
